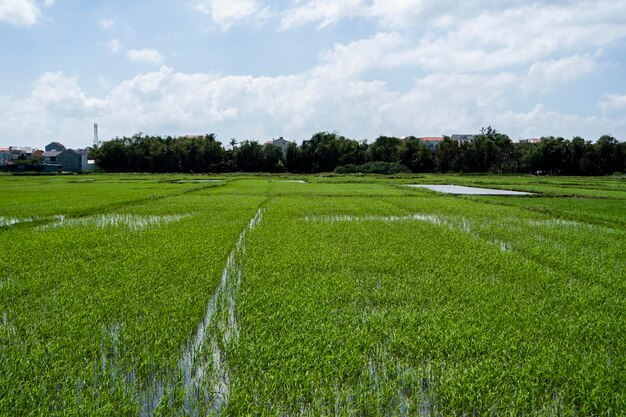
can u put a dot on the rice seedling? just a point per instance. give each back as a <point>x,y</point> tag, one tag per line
<point>347,296</point>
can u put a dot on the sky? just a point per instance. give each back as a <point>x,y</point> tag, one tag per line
<point>256,70</point>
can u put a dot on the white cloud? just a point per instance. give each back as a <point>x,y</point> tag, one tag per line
<point>145,56</point>
<point>170,102</point>
<point>48,3</point>
<point>56,108</point>
<point>546,75</point>
<point>517,36</point>
<point>326,12</point>
<point>613,102</point>
<point>359,56</point>
<point>114,46</point>
<point>394,13</point>
<point>468,68</point>
<point>544,122</point>
<point>62,96</point>
<point>19,12</point>
<point>467,38</point>
<point>416,14</point>
<point>226,13</point>
<point>107,23</point>
<point>299,105</point>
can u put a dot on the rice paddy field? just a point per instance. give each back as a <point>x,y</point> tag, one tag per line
<point>146,295</point>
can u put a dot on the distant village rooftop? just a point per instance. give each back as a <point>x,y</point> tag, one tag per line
<point>279,143</point>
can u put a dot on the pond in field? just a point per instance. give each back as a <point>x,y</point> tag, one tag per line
<point>195,181</point>
<point>462,190</point>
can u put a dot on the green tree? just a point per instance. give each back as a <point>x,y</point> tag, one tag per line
<point>447,155</point>
<point>610,156</point>
<point>415,155</point>
<point>273,160</point>
<point>384,149</point>
<point>249,157</point>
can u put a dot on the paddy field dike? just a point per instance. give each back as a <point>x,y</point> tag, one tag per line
<point>176,295</point>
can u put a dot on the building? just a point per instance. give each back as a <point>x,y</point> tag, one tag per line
<point>70,160</point>
<point>5,156</point>
<point>463,138</point>
<point>431,142</point>
<point>279,143</point>
<point>50,157</point>
<point>37,154</point>
<point>73,160</point>
<point>55,147</point>
<point>533,140</point>
<point>20,152</point>
<point>52,168</point>
<point>56,158</point>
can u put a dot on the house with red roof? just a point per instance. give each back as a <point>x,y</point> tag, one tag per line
<point>431,141</point>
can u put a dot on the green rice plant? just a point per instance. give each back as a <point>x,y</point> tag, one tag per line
<point>97,314</point>
<point>419,311</point>
<point>290,295</point>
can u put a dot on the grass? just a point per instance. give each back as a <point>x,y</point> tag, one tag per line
<point>347,296</point>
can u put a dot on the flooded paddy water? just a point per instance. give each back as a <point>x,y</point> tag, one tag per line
<point>10,221</point>
<point>129,221</point>
<point>463,190</point>
<point>196,181</point>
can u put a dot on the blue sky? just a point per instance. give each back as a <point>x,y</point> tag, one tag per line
<point>255,69</point>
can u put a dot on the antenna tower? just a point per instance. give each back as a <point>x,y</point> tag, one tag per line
<point>96,140</point>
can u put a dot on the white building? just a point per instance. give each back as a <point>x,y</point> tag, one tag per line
<point>279,143</point>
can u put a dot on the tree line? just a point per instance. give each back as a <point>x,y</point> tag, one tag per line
<point>490,151</point>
